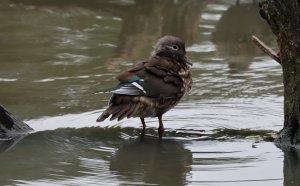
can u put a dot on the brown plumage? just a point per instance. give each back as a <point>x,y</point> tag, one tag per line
<point>152,87</point>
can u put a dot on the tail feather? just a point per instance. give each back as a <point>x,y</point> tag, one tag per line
<point>119,112</point>
<point>122,116</point>
<point>123,113</point>
<point>131,109</point>
<point>133,112</point>
<point>122,109</point>
<point>102,117</point>
<point>109,111</point>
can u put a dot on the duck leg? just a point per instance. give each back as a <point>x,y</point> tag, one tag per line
<point>144,127</point>
<point>161,127</point>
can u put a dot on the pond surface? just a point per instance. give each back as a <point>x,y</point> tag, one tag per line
<point>55,54</point>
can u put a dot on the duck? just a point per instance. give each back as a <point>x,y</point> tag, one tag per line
<point>151,87</point>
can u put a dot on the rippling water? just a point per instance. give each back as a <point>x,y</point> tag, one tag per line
<point>55,54</point>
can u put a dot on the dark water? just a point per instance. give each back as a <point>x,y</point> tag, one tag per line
<point>55,54</point>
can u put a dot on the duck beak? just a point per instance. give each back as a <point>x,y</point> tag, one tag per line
<point>188,61</point>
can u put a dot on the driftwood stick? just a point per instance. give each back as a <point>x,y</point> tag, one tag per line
<point>270,52</point>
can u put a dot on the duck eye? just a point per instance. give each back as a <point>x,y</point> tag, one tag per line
<point>175,47</point>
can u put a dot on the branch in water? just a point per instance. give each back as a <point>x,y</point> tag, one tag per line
<point>270,52</point>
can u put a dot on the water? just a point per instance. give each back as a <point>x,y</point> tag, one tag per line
<point>55,54</point>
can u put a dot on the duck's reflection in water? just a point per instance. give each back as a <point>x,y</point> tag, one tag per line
<point>151,161</point>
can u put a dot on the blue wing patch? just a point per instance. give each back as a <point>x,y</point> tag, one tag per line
<point>131,86</point>
<point>131,80</point>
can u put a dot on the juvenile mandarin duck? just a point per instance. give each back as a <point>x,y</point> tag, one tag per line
<point>152,87</point>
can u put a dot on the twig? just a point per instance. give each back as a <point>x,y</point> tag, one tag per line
<point>270,52</point>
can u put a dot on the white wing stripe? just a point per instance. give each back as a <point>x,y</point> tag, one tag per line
<point>138,86</point>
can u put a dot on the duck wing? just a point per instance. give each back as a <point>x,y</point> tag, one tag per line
<point>153,78</point>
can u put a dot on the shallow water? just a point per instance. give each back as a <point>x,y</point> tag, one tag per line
<point>55,54</point>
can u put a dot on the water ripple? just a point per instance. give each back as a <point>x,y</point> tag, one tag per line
<point>71,59</point>
<point>8,79</point>
<point>203,47</point>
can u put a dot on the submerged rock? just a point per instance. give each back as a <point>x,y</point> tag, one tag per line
<point>10,126</point>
